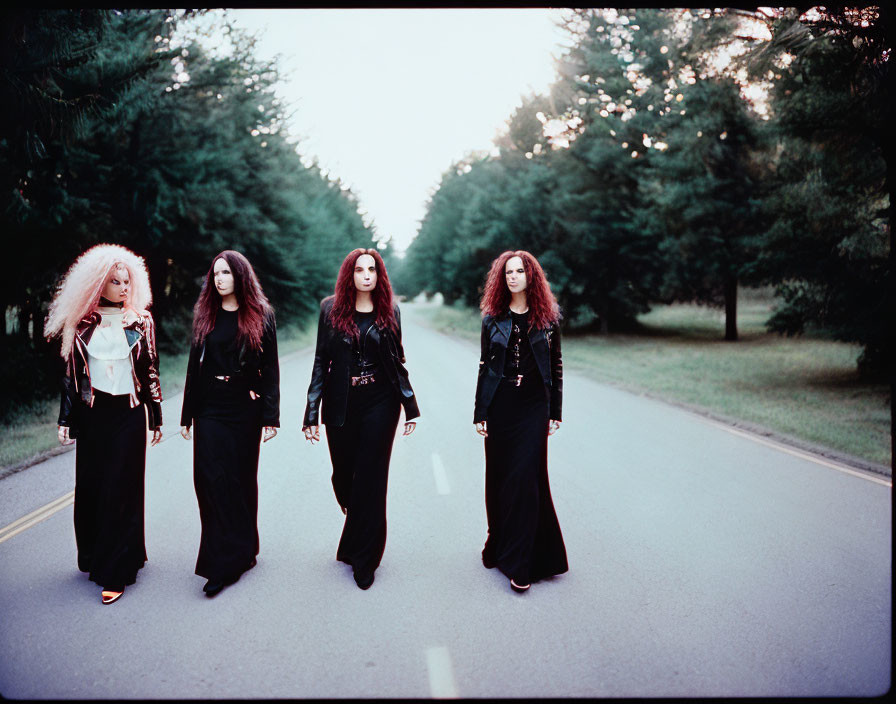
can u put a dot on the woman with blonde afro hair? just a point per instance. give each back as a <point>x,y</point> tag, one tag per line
<point>110,394</point>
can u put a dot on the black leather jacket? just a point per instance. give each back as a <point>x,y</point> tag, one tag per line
<point>545,347</point>
<point>260,369</point>
<point>76,386</point>
<point>331,370</point>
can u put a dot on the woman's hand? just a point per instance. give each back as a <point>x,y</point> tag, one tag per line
<point>269,432</point>
<point>312,433</point>
<point>481,428</point>
<point>185,431</point>
<point>156,437</point>
<point>553,426</point>
<point>62,434</point>
<point>409,427</point>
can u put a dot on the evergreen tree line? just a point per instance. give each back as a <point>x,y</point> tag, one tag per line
<point>645,176</point>
<point>115,128</point>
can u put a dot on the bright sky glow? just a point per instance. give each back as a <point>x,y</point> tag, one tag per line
<point>387,99</point>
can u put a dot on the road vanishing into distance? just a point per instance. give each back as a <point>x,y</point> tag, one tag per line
<point>704,562</point>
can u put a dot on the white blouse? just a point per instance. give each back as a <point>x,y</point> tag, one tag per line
<point>108,356</point>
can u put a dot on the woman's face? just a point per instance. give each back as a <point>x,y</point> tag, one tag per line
<point>515,275</point>
<point>223,277</point>
<point>117,286</point>
<point>365,273</point>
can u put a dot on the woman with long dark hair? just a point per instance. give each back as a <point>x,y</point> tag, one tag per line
<point>518,404</point>
<point>110,392</point>
<point>358,386</point>
<point>232,392</point>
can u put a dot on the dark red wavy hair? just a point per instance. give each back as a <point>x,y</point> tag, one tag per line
<point>254,306</point>
<point>543,307</point>
<point>342,313</point>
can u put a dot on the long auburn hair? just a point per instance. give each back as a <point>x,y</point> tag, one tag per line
<point>543,307</point>
<point>78,293</point>
<point>254,307</point>
<point>343,310</point>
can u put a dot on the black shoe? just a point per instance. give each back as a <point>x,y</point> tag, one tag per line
<point>213,587</point>
<point>489,561</point>
<point>519,588</point>
<point>363,582</point>
<point>252,564</point>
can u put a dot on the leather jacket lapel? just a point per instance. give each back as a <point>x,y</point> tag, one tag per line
<point>503,325</point>
<point>85,328</point>
<point>541,352</point>
<point>133,336</point>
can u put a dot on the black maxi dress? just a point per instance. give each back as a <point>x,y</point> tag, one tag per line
<point>360,451</point>
<point>226,445</point>
<point>524,539</point>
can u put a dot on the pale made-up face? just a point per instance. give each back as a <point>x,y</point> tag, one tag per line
<point>118,285</point>
<point>223,277</point>
<point>365,273</point>
<point>515,275</point>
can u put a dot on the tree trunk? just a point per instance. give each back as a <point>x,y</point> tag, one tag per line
<point>604,315</point>
<point>38,334</point>
<point>23,316</point>
<point>731,308</point>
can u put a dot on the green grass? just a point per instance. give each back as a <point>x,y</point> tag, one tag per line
<point>33,432</point>
<point>805,388</point>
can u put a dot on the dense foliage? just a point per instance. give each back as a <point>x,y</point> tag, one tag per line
<point>650,174</point>
<point>116,128</point>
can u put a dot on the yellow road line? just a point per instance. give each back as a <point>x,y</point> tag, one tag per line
<point>35,517</point>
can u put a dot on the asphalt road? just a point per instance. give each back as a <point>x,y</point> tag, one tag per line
<point>703,562</point>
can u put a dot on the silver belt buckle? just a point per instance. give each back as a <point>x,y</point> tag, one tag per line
<point>223,378</point>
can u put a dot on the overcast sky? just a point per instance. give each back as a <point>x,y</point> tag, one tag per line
<point>387,99</point>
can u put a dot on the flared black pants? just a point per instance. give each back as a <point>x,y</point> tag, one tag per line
<point>110,467</point>
<point>360,451</point>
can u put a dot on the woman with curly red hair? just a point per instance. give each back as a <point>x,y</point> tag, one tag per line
<point>518,404</point>
<point>110,392</point>
<point>358,386</point>
<point>232,392</point>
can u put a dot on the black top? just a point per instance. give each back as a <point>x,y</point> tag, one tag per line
<point>221,351</point>
<point>519,359</point>
<point>365,350</point>
<point>258,367</point>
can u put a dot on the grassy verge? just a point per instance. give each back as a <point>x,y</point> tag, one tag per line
<point>33,432</point>
<point>803,388</point>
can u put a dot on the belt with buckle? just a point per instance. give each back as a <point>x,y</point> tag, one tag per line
<point>363,379</point>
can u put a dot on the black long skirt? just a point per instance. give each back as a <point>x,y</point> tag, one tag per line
<point>226,442</point>
<point>524,538</point>
<point>360,451</point>
<point>110,466</point>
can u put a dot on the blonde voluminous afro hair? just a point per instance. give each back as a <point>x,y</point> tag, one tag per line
<point>79,291</point>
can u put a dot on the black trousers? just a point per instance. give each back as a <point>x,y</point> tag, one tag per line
<point>110,467</point>
<point>360,451</point>
<point>226,443</point>
<point>524,537</point>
